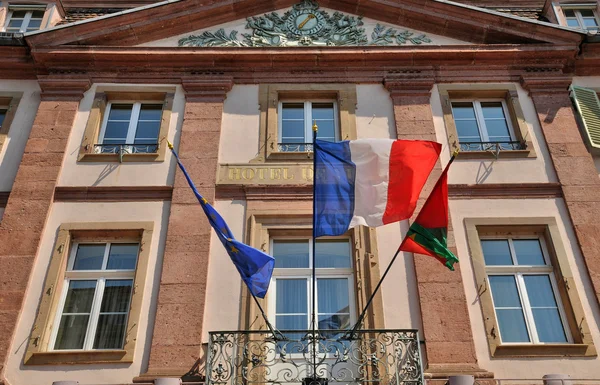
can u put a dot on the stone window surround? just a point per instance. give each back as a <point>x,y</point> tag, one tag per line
<point>546,227</point>
<point>10,100</point>
<point>269,96</point>
<point>507,92</point>
<point>37,350</point>
<point>96,117</point>
<point>263,226</point>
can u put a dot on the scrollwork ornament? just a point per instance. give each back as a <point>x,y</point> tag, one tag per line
<point>304,25</point>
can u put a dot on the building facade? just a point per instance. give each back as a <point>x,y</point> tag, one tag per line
<point>111,274</point>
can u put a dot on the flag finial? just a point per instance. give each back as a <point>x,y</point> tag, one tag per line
<point>169,144</point>
<point>315,127</point>
<point>456,151</point>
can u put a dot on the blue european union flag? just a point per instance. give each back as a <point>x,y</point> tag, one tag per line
<point>254,266</point>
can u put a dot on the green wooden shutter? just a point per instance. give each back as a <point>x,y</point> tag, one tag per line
<point>588,105</point>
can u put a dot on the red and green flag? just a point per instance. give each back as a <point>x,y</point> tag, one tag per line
<point>428,233</point>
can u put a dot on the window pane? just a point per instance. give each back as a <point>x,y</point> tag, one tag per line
<point>116,296</point>
<point>332,253</point>
<point>147,131</point>
<point>463,110</point>
<point>2,115</point>
<point>528,252</point>
<point>569,13</point>
<point>37,15</point>
<point>504,291</point>
<point>122,256</point>
<point>71,332</point>
<point>496,252</point>
<point>326,130</point>
<point>292,111</point>
<point>590,22</point>
<point>110,331</point>
<point>322,111</point>
<point>89,257</point>
<point>468,131</point>
<point>14,25</point>
<point>549,326</point>
<point>497,131</point>
<point>34,25</point>
<point>292,322</point>
<point>292,296</point>
<point>150,112</point>
<point>492,110</point>
<point>587,13</point>
<point>292,129</point>
<point>80,296</point>
<point>290,254</point>
<point>120,112</point>
<point>333,296</point>
<point>539,291</point>
<point>572,23</point>
<point>512,325</point>
<point>334,321</point>
<point>116,131</point>
<point>19,14</point>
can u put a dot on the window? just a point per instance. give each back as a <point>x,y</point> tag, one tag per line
<point>8,108</point>
<point>524,291</point>
<point>527,292</point>
<point>287,114</point>
<point>297,119</point>
<point>91,306</point>
<point>130,127</point>
<point>127,127</point>
<point>3,111</point>
<point>96,298</point>
<point>292,299</point>
<point>584,18</point>
<point>20,20</point>
<point>483,125</point>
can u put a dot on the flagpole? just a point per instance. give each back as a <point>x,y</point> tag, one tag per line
<point>315,128</point>
<point>389,266</point>
<point>276,333</point>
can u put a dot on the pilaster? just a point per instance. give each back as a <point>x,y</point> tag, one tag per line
<point>177,338</point>
<point>449,344</point>
<point>574,166</point>
<point>32,194</point>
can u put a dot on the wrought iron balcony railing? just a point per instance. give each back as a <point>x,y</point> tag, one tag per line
<point>125,148</point>
<point>295,147</point>
<point>492,146</point>
<point>383,357</point>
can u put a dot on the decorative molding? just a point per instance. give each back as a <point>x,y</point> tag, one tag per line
<point>304,25</point>
<point>546,82</point>
<point>112,193</point>
<point>505,191</point>
<point>409,83</point>
<point>264,192</point>
<point>209,89</point>
<point>64,87</point>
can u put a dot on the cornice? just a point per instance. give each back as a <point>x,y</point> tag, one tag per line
<point>207,87</point>
<point>112,193</point>
<point>68,86</point>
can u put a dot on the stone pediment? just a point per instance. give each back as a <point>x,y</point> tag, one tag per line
<point>302,25</point>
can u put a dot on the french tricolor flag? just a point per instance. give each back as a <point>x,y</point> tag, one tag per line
<point>369,182</point>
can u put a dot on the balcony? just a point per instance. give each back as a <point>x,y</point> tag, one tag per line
<point>295,147</point>
<point>492,146</point>
<point>369,356</point>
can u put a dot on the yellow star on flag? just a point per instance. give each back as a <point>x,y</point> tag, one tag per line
<point>233,249</point>
<point>204,201</point>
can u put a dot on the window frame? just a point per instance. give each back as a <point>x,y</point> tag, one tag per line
<point>29,9</point>
<point>579,17</point>
<point>508,93</point>
<point>480,119</point>
<point>98,118</point>
<point>39,349</point>
<point>582,344</point>
<point>100,276</point>
<point>10,103</point>
<point>133,121</point>
<point>308,120</point>
<point>518,271</point>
